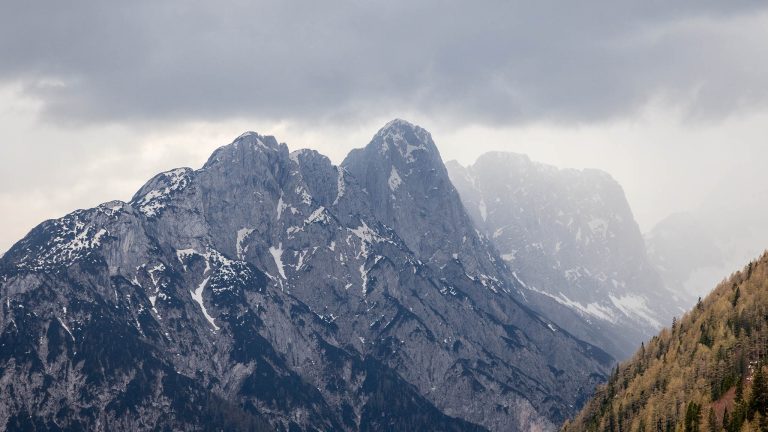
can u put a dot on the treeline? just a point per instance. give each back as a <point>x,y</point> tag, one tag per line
<point>707,372</point>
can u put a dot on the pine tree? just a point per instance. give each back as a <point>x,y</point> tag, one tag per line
<point>737,418</point>
<point>761,422</point>
<point>612,423</point>
<point>759,400</point>
<point>692,417</point>
<point>712,421</point>
<point>739,391</point>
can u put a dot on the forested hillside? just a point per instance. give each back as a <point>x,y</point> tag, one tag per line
<point>705,373</point>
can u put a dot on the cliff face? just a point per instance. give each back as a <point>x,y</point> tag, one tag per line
<point>271,289</point>
<point>569,236</point>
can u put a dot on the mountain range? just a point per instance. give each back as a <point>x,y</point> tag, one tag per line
<point>274,290</point>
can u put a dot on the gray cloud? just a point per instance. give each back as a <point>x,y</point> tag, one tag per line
<point>493,62</point>
<point>153,85</point>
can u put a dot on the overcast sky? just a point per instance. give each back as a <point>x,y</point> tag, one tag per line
<point>671,98</point>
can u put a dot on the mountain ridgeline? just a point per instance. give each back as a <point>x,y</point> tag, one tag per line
<point>273,290</point>
<point>708,372</point>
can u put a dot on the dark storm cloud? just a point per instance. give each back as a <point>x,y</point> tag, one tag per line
<point>490,62</point>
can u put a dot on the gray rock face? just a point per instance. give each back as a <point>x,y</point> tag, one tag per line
<point>569,236</point>
<point>274,290</point>
<point>409,189</point>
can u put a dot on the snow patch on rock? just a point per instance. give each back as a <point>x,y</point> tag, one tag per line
<point>242,235</point>
<point>197,296</point>
<point>155,200</point>
<point>394,179</point>
<point>277,255</point>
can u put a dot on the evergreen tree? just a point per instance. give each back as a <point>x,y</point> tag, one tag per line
<point>611,423</point>
<point>761,422</point>
<point>692,417</point>
<point>759,401</point>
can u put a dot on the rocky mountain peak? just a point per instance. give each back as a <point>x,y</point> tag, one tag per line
<point>410,191</point>
<point>251,139</point>
<point>156,193</point>
<point>247,149</point>
<point>402,141</point>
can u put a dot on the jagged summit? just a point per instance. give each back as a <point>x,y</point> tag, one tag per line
<point>154,194</point>
<point>256,139</point>
<point>247,148</point>
<point>404,175</point>
<point>404,142</point>
<point>399,123</point>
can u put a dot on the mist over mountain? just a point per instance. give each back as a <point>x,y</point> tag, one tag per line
<point>569,236</point>
<point>686,254</point>
<point>273,290</point>
<point>697,248</point>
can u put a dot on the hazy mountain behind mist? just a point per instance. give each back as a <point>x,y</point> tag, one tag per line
<point>570,236</point>
<point>696,249</point>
